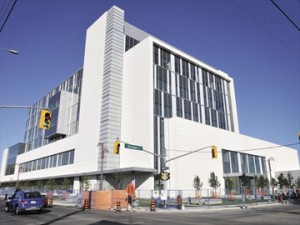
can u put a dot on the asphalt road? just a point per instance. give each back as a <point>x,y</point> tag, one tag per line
<point>273,214</point>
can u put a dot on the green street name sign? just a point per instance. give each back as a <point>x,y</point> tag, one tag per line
<point>135,147</point>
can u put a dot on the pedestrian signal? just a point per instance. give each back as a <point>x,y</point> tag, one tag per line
<point>45,119</point>
<point>214,152</point>
<point>116,147</point>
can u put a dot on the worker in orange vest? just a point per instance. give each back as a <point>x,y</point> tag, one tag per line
<point>130,192</point>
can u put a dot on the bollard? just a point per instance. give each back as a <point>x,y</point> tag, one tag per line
<point>152,205</point>
<point>50,202</point>
<point>118,208</point>
<point>179,202</point>
<point>281,199</point>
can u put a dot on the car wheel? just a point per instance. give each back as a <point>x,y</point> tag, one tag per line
<point>17,210</point>
<point>41,210</point>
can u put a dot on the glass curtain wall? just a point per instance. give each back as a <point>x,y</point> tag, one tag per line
<point>242,168</point>
<point>34,136</point>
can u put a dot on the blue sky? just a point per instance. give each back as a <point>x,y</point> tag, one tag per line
<point>250,40</point>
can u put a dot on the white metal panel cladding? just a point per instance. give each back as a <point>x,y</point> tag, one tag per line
<point>111,102</point>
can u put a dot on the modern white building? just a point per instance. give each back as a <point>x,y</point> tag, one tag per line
<point>147,93</point>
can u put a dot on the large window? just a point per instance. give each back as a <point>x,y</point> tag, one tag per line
<point>244,163</point>
<point>226,161</point>
<point>257,164</point>
<point>167,105</point>
<point>157,103</point>
<point>187,110</point>
<point>61,159</point>
<point>234,162</point>
<point>251,164</point>
<point>179,107</point>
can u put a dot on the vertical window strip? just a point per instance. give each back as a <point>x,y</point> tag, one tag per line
<point>187,87</point>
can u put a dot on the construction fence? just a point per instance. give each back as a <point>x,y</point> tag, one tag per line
<point>109,199</point>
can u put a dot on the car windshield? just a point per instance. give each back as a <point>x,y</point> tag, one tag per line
<point>32,195</point>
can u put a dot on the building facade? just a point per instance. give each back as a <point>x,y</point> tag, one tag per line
<point>144,92</point>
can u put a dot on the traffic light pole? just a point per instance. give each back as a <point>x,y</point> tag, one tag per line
<point>177,157</point>
<point>187,154</point>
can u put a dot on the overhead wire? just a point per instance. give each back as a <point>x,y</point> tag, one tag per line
<point>265,28</point>
<point>11,9</point>
<point>248,150</point>
<point>277,6</point>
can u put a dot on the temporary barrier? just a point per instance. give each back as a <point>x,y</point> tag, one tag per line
<point>179,202</point>
<point>118,207</point>
<point>152,205</point>
<point>281,199</point>
<point>50,202</point>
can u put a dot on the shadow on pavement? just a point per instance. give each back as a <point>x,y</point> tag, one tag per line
<point>60,218</point>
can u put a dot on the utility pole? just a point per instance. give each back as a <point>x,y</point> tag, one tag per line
<point>270,173</point>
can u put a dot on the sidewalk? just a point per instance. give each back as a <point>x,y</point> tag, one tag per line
<point>186,208</point>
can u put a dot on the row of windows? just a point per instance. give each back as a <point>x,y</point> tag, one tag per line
<point>196,93</point>
<point>234,162</point>
<point>191,110</point>
<point>61,159</point>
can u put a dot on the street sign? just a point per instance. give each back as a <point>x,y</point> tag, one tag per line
<point>134,147</point>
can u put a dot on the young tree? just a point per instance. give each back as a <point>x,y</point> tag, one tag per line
<point>116,181</point>
<point>66,183</point>
<point>50,185</point>
<point>282,180</point>
<point>273,182</point>
<point>261,182</point>
<point>245,181</point>
<point>228,184</point>
<point>214,182</point>
<point>197,185</point>
<point>40,185</point>
<point>85,182</point>
<point>290,179</point>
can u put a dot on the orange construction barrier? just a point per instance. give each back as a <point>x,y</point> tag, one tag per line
<point>50,202</point>
<point>152,205</point>
<point>179,202</point>
<point>118,208</point>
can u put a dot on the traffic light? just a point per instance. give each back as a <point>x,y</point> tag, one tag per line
<point>116,147</point>
<point>45,119</point>
<point>299,136</point>
<point>164,175</point>
<point>214,152</point>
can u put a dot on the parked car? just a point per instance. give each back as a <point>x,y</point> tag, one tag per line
<point>22,201</point>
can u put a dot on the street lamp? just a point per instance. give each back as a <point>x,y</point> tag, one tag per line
<point>101,145</point>
<point>270,172</point>
<point>15,52</point>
